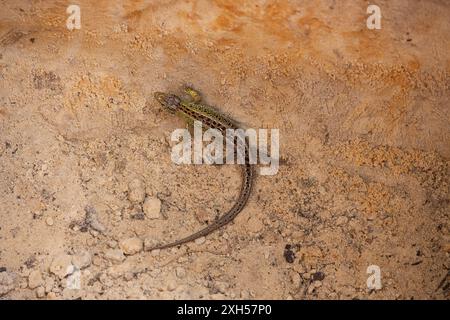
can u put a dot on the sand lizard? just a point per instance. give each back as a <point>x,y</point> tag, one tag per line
<point>192,110</point>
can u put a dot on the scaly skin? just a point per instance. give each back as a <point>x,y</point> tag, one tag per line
<point>210,118</point>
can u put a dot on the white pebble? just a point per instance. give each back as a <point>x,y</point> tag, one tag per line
<point>131,246</point>
<point>200,240</point>
<point>152,208</point>
<point>40,292</point>
<point>49,221</point>
<point>62,265</point>
<point>35,279</point>
<point>115,255</point>
<point>82,260</point>
<point>180,272</point>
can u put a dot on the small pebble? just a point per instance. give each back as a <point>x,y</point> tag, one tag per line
<point>51,296</point>
<point>40,292</point>
<point>180,272</point>
<point>49,221</point>
<point>62,265</point>
<point>94,233</point>
<point>131,246</point>
<point>317,276</point>
<point>92,219</point>
<point>200,240</point>
<point>112,244</point>
<point>97,261</point>
<point>288,254</point>
<point>49,284</point>
<point>115,255</point>
<point>35,279</point>
<point>171,285</point>
<point>82,260</point>
<point>152,208</point>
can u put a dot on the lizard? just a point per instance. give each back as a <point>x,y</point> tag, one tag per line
<point>191,110</point>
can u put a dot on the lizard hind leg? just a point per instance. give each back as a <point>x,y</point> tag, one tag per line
<point>194,94</point>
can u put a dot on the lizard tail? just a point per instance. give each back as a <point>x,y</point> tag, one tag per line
<point>226,218</point>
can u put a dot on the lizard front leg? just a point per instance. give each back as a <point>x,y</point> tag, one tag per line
<point>194,94</point>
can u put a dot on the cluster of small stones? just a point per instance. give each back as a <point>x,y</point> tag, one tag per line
<point>93,272</point>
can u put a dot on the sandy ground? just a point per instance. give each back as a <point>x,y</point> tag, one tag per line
<point>87,183</point>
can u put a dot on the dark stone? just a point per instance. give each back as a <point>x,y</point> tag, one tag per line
<point>288,254</point>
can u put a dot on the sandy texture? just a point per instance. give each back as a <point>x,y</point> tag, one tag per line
<point>87,183</point>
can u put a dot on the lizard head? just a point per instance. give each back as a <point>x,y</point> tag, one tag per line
<point>167,100</point>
